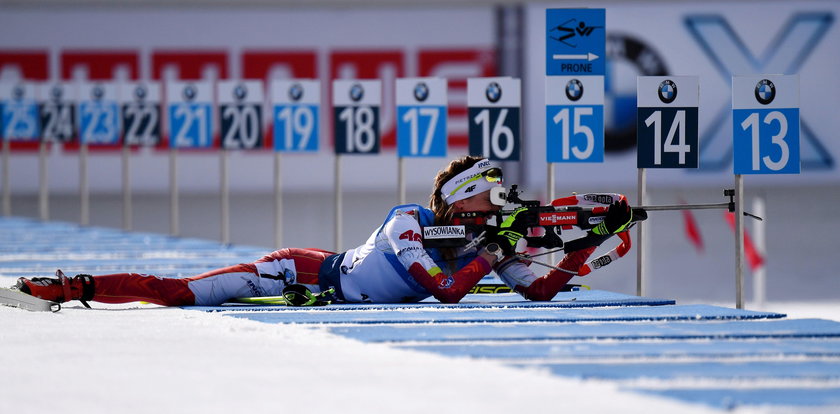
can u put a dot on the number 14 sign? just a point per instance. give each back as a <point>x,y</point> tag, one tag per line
<point>765,127</point>
<point>667,121</point>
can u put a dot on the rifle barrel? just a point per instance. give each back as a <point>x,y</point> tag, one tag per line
<point>686,206</point>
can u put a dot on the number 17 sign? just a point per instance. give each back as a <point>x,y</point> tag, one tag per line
<point>421,117</point>
<point>765,127</point>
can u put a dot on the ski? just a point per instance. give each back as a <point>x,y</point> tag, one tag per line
<point>503,288</point>
<point>18,299</point>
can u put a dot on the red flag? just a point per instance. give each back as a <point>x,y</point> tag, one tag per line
<point>754,258</point>
<point>692,231</point>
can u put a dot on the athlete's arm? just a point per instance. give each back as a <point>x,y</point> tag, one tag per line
<point>404,234</point>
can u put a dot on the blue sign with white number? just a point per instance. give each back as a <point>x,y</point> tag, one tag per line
<point>20,120</point>
<point>99,122</point>
<point>575,133</point>
<point>575,41</point>
<point>766,141</point>
<point>190,113</point>
<point>296,127</point>
<point>421,117</point>
<point>421,131</point>
<point>191,125</point>
<point>574,118</point>
<point>296,114</point>
<point>765,129</point>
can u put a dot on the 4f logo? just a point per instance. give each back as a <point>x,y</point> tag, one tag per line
<point>411,236</point>
<point>570,29</point>
<point>786,54</point>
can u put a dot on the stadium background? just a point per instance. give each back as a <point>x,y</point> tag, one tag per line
<point>51,40</point>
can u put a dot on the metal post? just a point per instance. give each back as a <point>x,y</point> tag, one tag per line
<point>126,184</point>
<point>641,235</point>
<point>550,191</point>
<point>174,230</point>
<point>7,193</point>
<point>43,183</point>
<point>739,241</point>
<point>278,202</point>
<point>760,239</point>
<point>338,206</point>
<point>401,178</point>
<point>223,182</point>
<point>84,191</point>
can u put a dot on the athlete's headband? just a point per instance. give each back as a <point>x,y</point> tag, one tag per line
<point>479,178</point>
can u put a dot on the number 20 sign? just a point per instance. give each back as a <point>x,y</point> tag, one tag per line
<point>765,127</point>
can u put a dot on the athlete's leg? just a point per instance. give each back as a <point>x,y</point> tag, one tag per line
<point>266,277</point>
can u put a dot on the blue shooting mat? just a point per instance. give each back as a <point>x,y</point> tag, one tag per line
<point>616,332</point>
<point>715,356</point>
<point>430,315</point>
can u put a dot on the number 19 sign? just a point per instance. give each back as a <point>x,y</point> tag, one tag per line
<point>356,116</point>
<point>494,112</point>
<point>296,114</point>
<point>421,117</point>
<point>765,114</point>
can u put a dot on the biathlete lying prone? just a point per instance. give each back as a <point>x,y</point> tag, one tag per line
<point>393,266</point>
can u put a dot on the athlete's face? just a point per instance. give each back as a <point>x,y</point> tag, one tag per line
<point>478,202</point>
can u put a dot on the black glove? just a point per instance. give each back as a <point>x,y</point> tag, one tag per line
<point>513,228</point>
<point>619,216</point>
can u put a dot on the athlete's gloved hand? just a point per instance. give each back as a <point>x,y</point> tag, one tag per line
<point>513,228</point>
<point>619,216</point>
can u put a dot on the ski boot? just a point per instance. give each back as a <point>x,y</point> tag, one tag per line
<point>59,289</point>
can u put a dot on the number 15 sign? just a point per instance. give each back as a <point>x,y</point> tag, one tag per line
<point>765,127</point>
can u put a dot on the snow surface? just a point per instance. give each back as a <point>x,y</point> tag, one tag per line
<point>136,358</point>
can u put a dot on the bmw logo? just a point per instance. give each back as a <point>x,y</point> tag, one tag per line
<point>140,93</point>
<point>574,90</point>
<point>97,93</point>
<point>18,92</point>
<point>357,92</point>
<point>421,92</point>
<point>296,92</point>
<point>667,91</point>
<point>765,91</point>
<point>190,92</point>
<point>240,92</point>
<point>493,92</point>
<point>56,92</point>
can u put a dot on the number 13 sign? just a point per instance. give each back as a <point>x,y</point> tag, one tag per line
<point>765,127</point>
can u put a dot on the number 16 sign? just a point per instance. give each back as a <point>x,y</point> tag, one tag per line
<point>765,127</point>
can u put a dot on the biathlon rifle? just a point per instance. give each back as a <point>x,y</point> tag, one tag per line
<point>561,214</point>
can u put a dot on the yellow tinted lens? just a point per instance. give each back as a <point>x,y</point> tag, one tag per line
<point>493,175</point>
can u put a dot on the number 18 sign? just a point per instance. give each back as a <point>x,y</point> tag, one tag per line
<point>765,127</point>
<point>356,116</point>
